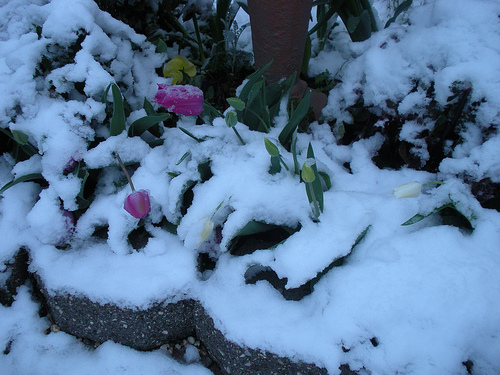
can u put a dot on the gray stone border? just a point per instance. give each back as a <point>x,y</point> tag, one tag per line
<point>148,329</point>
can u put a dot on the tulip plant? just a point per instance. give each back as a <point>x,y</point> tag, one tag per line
<point>136,204</point>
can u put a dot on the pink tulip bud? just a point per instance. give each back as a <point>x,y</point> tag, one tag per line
<point>182,99</point>
<point>137,204</point>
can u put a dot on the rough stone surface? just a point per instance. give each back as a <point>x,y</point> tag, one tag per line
<point>235,359</point>
<point>147,329</point>
<point>139,329</point>
<point>14,275</point>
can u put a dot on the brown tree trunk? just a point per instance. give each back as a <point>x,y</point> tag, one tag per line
<point>279,31</point>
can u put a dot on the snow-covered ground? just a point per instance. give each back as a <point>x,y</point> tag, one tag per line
<point>429,293</point>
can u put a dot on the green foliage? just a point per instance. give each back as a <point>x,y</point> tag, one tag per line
<point>257,235</point>
<point>357,16</point>
<point>315,189</point>
<point>17,144</point>
<point>276,159</point>
<point>400,9</point>
<point>257,272</point>
<point>28,177</point>
<point>296,116</point>
<point>450,215</point>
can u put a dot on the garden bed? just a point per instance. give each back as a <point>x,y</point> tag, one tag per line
<point>164,204</point>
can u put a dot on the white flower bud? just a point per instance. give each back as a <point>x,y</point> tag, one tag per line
<point>408,190</point>
<point>208,227</point>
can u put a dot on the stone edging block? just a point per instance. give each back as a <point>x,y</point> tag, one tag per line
<point>148,329</point>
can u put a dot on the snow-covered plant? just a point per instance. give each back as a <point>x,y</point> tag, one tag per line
<point>314,187</point>
<point>231,116</point>
<point>276,158</point>
<point>136,204</point>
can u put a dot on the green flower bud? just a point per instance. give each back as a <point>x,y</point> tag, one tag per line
<point>231,118</point>
<point>271,148</point>
<point>307,172</point>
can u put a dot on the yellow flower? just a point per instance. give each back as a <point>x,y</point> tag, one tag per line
<point>176,66</point>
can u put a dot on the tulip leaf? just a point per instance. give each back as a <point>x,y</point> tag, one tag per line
<point>326,179</point>
<point>186,154</point>
<point>252,80</point>
<point>258,272</point>
<point>401,8</point>
<point>275,165</point>
<point>236,103</point>
<point>296,166</point>
<point>259,235</point>
<point>117,125</point>
<point>148,107</point>
<point>28,177</point>
<point>187,132</point>
<point>20,137</point>
<point>296,117</point>
<point>449,214</point>
<point>139,126</point>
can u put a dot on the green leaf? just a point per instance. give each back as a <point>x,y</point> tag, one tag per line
<point>253,79</point>
<point>326,179</point>
<point>205,171</point>
<point>419,217</point>
<point>259,235</point>
<point>296,117</point>
<point>296,166</point>
<point>264,110</point>
<point>275,165</point>
<point>148,107</point>
<point>210,110</point>
<point>450,214</point>
<point>104,96</point>
<point>117,125</point>
<point>28,177</point>
<point>400,9</point>
<point>236,103</point>
<point>186,154</point>
<point>254,91</point>
<point>139,126</point>
<point>359,27</point>
<point>307,56</point>
<point>20,137</point>
<point>185,131</point>
<point>161,46</point>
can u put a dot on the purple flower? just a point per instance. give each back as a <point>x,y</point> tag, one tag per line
<point>182,99</point>
<point>137,204</point>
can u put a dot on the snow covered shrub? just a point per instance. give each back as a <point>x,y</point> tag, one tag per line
<point>58,128</point>
<point>418,131</point>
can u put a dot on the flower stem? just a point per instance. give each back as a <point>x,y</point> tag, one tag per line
<point>198,38</point>
<point>315,202</point>
<point>283,162</point>
<point>125,171</point>
<point>239,136</point>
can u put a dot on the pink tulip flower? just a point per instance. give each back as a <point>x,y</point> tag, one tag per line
<point>182,99</point>
<point>137,204</point>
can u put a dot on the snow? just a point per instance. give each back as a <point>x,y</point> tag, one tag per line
<point>428,293</point>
